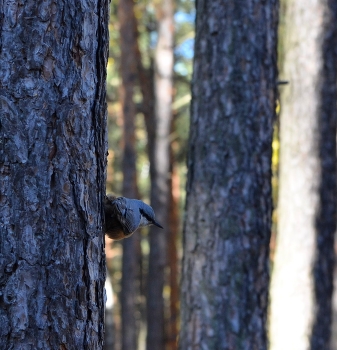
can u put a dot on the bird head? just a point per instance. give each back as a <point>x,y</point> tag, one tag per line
<point>147,215</point>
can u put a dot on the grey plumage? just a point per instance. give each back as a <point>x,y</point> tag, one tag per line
<point>123,216</point>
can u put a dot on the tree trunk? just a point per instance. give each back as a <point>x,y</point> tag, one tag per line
<point>303,271</point>
<point>228,210</point>
<point>172,334</point>
<point>159,170</point>
<point>52,173</point>
<point>130,266</point>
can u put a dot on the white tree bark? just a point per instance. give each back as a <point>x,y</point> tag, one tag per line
<point>302,278</point>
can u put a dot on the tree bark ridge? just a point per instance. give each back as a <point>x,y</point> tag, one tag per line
<point>228,206</point>
<point>52,173</point>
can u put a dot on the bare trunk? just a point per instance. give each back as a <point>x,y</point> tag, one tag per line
<point>159,168</point>
<point>228,210</point>
<point>302,278</point>
<point>52,173</point>
<point>172,337</point>
<point>130,266</point>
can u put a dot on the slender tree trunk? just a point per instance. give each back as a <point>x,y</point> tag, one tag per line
<point>52,173</point>
<point>130,267</point>
<point>159,169</point>
<point>303,271</point>
<point>228,210</point>
<point>173,256</point>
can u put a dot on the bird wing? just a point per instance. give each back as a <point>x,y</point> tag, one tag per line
<point>127,214</point>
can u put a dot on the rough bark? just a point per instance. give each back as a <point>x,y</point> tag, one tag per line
<point>128,70</point>
<point>52,173</point>
<point>303,270</point>
<point>159,172</point>
<point>228,209</point>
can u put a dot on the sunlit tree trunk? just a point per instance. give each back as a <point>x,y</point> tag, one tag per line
<point>146,84</point>
<point>303,270</point>
<point>52,173</point>
<point>159,170</point>
<point>228,210</point>
<point>130,266</point>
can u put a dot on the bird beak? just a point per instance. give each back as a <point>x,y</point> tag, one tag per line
<point>156,223</point>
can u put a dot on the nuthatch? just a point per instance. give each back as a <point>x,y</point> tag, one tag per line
<point>123,216</point>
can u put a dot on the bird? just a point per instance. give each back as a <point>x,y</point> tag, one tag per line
<point>123,216</point>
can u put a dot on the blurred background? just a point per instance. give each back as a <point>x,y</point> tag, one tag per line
<point>149,70</point>
<point>148,89</point>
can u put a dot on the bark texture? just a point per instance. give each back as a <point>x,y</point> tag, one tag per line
<point>228,210</point>
<point>159,172</point>
<point>130,266</point>
<point>303,270</point>
<point>52,173</point>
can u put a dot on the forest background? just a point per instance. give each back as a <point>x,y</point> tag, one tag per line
<point>136,28</point>
<point>261,128</point>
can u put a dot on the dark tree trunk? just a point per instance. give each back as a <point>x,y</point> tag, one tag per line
<point>130,266</point>
<point>228,210</point>
<point>307,198</point>
<point>159,170</point>
<point>52,173</point>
